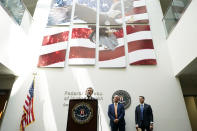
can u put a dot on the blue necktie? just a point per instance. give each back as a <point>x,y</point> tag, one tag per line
<point>141,112</point>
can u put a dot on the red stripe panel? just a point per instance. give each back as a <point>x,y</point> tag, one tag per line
<point>137,28</point>
<point>52,58</point>
<point>140,21</point>
<point>119,32</point>
<point>109,55</point>
<point>82,52</point>
<point>145,62</point>
<point>51,39</point>
<point>81,33</point>
<point>140,44</point>
<point>137,10</point>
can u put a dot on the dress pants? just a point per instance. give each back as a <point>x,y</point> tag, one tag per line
<point>117,126</point>
<point>143,127</point>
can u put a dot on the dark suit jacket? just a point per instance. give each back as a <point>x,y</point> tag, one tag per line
<point>91,98</point>
<point>147,115</point>
<point>120,111</point>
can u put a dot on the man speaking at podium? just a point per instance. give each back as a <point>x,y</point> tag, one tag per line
<point>83,113</point>
<point>89,92</point>
<point>116,114</point>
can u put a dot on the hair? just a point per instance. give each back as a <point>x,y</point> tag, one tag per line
<point>142,97</point>
<point>116,95</point>
<point>90,88</point>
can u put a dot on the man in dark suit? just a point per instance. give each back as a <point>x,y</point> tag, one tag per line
<point>89,93</point>
<point>116,114</point>
<point>144,116</point>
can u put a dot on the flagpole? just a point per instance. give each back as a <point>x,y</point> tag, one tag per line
<point>34,74</point>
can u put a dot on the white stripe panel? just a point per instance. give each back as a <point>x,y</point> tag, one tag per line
<point>143,16</point>
<point>59,64</point>
<point>55,30</point>
<point>79,21</point>
<point>139,3</point>
<point>80,26</point>
<point>120,41</point>
<point>141,55</point>
<point>82,61</point>
<point>136,17</point>
<point>82,43</point>
<point>53,47</point>
<point>65,24</point>
<point>118,62</point>
<point>142,35</point>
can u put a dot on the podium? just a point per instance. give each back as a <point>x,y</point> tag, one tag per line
<point>82,115</point>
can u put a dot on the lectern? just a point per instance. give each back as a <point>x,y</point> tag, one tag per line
<point>82,115</point>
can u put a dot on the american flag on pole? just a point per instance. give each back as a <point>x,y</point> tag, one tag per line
<point>28,113</point>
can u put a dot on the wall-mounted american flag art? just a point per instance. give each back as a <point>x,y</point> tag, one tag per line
<point>140,45</point>
<point>113,39</point>
<point>111,47</point>
<point>82,45</point>
<point>135,11</point>
<point>54,46</point>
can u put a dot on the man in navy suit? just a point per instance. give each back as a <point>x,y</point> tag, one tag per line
<point>144,116</point>
<point>116,114</point>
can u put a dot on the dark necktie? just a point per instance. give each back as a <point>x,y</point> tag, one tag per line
<point>141,112</point>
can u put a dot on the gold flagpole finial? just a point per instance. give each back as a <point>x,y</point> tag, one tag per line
<point>34,74</point>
